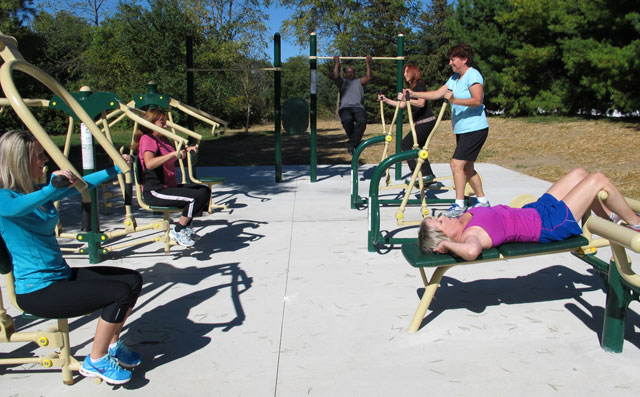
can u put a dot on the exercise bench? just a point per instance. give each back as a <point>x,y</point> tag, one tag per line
<point>622,284</point>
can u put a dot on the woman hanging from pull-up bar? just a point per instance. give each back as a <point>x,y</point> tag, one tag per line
<point>423,118</point>
<point>160,186</point>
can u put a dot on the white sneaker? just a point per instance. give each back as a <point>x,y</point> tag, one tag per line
<point>479,204</point>
<point>455,211</point>
<point>192,233</point>
<point>181,237</point>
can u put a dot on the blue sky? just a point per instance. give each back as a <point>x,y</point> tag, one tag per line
<point>276,15</point>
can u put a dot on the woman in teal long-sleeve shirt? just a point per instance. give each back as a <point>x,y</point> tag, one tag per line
<point>45,285</point>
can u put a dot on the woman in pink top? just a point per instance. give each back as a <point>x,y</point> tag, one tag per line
<point>551,218</point>
<point>160,187</point>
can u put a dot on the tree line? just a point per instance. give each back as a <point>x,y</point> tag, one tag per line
<point>537,56</point>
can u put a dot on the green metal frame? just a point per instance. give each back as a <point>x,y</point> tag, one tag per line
<point>375,239</point>
<point>356,200</point>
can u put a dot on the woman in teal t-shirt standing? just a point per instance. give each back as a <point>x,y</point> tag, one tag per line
<point>464,90</point>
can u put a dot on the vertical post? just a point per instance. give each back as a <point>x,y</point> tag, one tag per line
<point>313,63</point>
<point>276,103</point>
<point>399,86</point>
<point>616,308</point>
<point>90,222</point>
<point>190,94</point>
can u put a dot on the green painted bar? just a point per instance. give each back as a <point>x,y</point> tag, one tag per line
<point>356,200</point>
<point>374,207</point>
<point>277,106</point>
<point>399,86</point>
<point>313,111</point>
<point>615,313</point>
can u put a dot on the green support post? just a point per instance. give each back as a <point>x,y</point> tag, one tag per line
<point>356,199</point>
<point>400,86</point>
<point>88,167</point>
<point>93,104</point>
<point>313,114</point>
<point>374,238</point>
<point>615,312</point>
<point>277,106</point>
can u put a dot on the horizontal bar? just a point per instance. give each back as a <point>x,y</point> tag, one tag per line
<point>233,69</point>
<point>373,58</point>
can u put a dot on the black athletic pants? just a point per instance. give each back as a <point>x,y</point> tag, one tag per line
<point>113,289</point>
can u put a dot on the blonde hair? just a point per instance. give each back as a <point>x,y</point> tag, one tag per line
<point>151,115</point>
<point>16,151</point>
<point>429,237</point>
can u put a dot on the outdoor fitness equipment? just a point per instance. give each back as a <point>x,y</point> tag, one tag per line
<point>54,337</point>
<point>386,137</point>
<point>130,223</point>
<point>622,283</point>
<point>14,61</point>
<point>152,98</point>
<point>313,111</point>
<point>375,237</point>
<point>165,101</point>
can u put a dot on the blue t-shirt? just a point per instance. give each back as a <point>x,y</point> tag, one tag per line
<point>466,118</point>
<point>27,225</point>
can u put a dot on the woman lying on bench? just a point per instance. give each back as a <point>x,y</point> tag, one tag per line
<point>45,285</point>
<point>551,218</point>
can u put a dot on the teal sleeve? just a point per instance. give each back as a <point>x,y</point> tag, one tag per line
<point>14,204</point>
<point>93,180</point>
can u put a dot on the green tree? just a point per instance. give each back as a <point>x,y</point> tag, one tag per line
<point>430,49</point>
<point>474,22</point>
<point>14,14</point>
<point>295,78</point>
<point>554,55</point>
<point>93,11</point>
<point>65,40</point>
<point>138,45</point>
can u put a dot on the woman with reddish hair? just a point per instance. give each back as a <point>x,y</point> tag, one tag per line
<point>423,118</point>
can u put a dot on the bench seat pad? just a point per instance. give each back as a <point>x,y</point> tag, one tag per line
<point>416,258</point>
<point>412,253</point>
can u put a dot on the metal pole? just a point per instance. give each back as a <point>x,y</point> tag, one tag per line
<point>399,85</point>
<point>313,106</point>
<point>276,103</point>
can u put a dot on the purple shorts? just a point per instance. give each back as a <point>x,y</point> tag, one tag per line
<point>558,222</point>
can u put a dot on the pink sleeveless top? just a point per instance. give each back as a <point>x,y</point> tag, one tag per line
<point>505,224</point>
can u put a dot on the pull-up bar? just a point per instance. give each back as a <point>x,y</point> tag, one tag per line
<point>233,69</point>
<point>398,58</point>
<point>313,61</point>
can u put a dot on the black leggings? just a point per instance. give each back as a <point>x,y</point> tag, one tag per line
<point>115,290</point>
<point>423,131</point>
<point>192,198</point>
